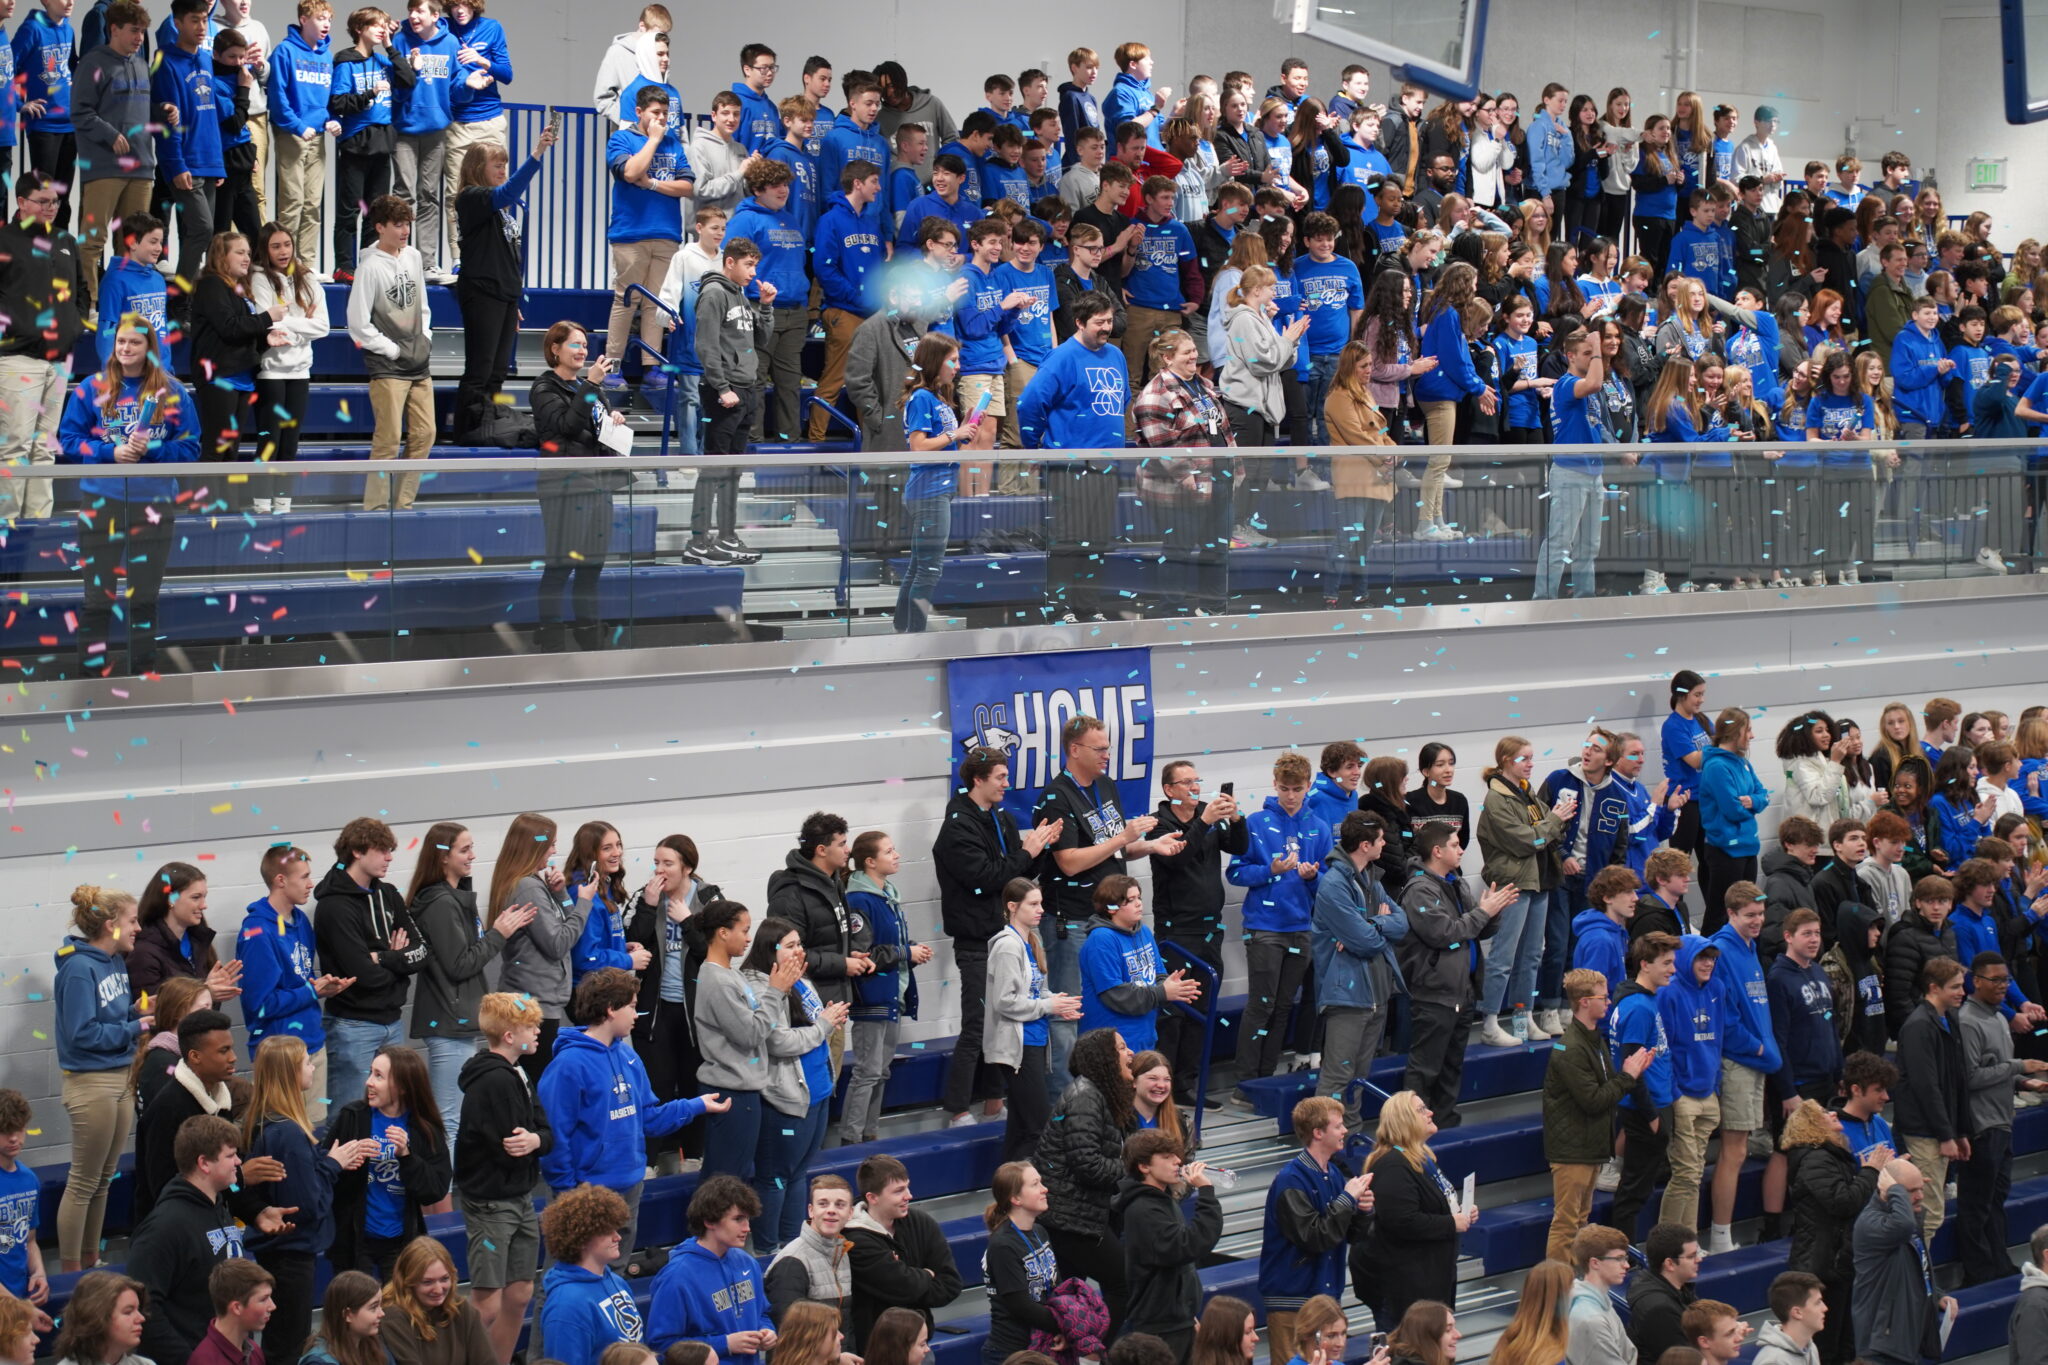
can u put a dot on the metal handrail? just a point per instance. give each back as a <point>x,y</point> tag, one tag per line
<point>1206,1012</point>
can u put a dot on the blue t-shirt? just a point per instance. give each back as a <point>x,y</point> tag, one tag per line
<point>1839,418</point>
<point>384,1209</point>
<point>1576,421</point>
<point>19,1198</point>
<point>926,414</point>
<point>1037,1031</point>
<point>638,214</point>
<point>1525,409</point>
<point>1152,276</point>
<point>1390,235</point>
<point>1031,326</point>
<point>1681,736</point>
<point>1329,290</point>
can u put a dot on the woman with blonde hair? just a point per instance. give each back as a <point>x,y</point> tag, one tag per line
<point>1412,1250</point>
<point>1362,486</point>
<point>486,235</point>
<point>1538,1333</point>
<point>1671,419</point>
<point>1518,832</point>
<point>536,960</point>
<point>428,1321</point>
<point>1247,250</point>
<point>98,1023</point>
<point>1255,356</point>
<point>275,1123</point>
<point>1318,1333</point>
<point>1898,738</point>
<point>1827,1186</point>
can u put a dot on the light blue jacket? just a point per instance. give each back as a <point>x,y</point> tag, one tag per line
<point>1351,934</point>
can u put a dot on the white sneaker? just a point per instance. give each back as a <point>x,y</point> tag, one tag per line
<point>1553,1022</point>
<point>1453,481</point>
<point>1308,481</point>
<point>260,504</point>
<point>1988,558</point>
<point>1609,1178</point>
<point>1716,587</point>
<point>1688,586</point>
<point>1538,1033</point>
<point>280,505</point>
<point>967,1120</point>
<point>1653,583</point>
<point>1493,1035</point>
<point>1719,1242</point>
<point>1851,579</point>
<point>1818,579</point>
<point>1443,532</point>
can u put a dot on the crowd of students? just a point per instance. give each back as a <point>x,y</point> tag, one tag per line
<point>563,1027</point>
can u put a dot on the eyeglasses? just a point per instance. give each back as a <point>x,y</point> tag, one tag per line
<point>1995,980</point>
<point>1614,1257</point>
<point>766,68</point>
<point>1095,748</point>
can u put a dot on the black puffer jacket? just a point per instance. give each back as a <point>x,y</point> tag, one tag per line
<point>816,905</point>
<point>1412,1251</point>
<point>1080,1154</point>
<point>1397,860</point>
<point>1910,945</point>
<point>1825,1189</point>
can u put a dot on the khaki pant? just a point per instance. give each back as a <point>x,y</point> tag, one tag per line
<point>102,1109</point>
<point>1441,420</point>
<point>644,264</point>
<point>31,401</point>
<point>1571,1192</point>
<point>301,181</point>
<point>1692,1123</point>
<point>259,138</point>
<point>1008,436</point>
<point>395,405</point>
<point>1280,1334</point>
<point>840,326</point>
<point>461,137</point>
<point>105,203</point>
<point>1925,1153</point>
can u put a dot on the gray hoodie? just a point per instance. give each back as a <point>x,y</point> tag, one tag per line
<point>876,362</point>
<point>1256,356</point>
<point>733,1024</point>
<point>2028,1328</point>
<point>732,330</point>
<point>925,108</point>
<point>109,99</point>
<point>1774,1347</point>
<point>630,55</point>
<point>1988,1065</point>
<point>785,1089</point>
<point>1597,1336</point>
<point>536,960</point>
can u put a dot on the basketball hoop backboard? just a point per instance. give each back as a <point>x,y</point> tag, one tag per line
<point>1435,43</point>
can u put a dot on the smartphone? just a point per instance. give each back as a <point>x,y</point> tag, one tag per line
<point>1229,789</point>
<point>554,121</point>
<point>1377,1341</point>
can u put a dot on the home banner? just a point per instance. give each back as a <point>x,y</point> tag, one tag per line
<point>1019,704</point>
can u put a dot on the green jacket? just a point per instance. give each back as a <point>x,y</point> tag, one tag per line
<point>1581,1089</point>
<point>1886,313</point>
<point>1514,843</point>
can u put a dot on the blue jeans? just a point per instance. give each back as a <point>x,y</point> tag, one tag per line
<point>781,1156</point>
<point>351,1045</point>
<point>1513,953</point>
<point>1322,369</point>
<point>731,1138</point>
<point>1557,942</point>
<point>689,414</point>
<point>445,1059</point>
<point>1351,537</point>
<point>1573,535</point>
<point>1062,977</point>
<point>931,524</point>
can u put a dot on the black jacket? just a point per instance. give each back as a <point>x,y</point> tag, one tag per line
<point>563,415</point>
<point>1397,860</point>
<point>1412,1251</point>
<point>975,854</point>
<point>1752,249</point>
<point>1187,887</point>
<point>1930,1100</point>
<point>39,292</point>
<point>423,1173</point>
<point>1653,916</point>
<point>173,1251</point>
<point>1833,886</point>
<point>890,1269</point>
<point>228,335</point>
<point>156,1164</point>
<point>1863,1029</point>
<point>1654,1308</point>
<point>155,958</point>
<point>353,928</point>
<point>1247,146</point>
<point>450,993</point>
<point>1067,291</point>
<point>495,1100</point>
<point>493,265</point>
<point>1826,1187</point>
<point>648,926</point>
<point>1910,945</point>
<point>1788,885</point>
<point>816,905</point>
<point>1161,1252</point>
<point>1081,1157</point>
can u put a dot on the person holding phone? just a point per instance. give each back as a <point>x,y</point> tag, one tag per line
<point>572,419</point>
<point>1519,836</point>
<point>929,425</point>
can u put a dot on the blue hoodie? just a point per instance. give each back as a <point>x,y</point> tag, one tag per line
<point>277,963</point>
<point>1802,1010</point>
<point>1076,400</point>
<point>586,1313</point>
<point>10,94</point>
<point>1637,1022</point>
<point>603,940</point>
<point>44,53</point>
<point>760,122</point>
<point>1916,376</point>
<point>428,105</point>
<point>488,37</point>
<point>964,212</point>
<point>1747,1038</point>
<point>96,1021</point>
<point>846,141</point>
<point>1130,101</point>
<point>88,436</point>
<point>1112,957</point>
<point>848,252</point>
<point>603,1111</point>
<point>1078,109</point>
<point>784,247</point>
<point>1329,802</point>
<point>308,1186</point>
<point>1692,1016</point>
<point>185,80</point>
<point>363,89</point>
<point>1453,378</point>
<point>1724,824</point>
<point>1550,154</point>
<point>1648,824</point>
<point>1696,253</point>
<point>301,80</point>
<point>1282,902</point>
<point>1601,945</point>
<point>980,322</point>
<point>806,191</point>
<point>702,1296</point>
<point>131,288</point>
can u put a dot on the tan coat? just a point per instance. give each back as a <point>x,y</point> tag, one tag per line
<point>1354,420</point>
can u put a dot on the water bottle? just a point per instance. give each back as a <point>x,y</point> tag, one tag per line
<point>1222,1178</point>
<point>1519,1025</point>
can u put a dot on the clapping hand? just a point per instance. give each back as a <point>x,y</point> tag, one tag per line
<point>513,918</point>
<point>1036,839</point>
<point>330,984</point>
<point>1179,988</point>
<point>1498,898</point>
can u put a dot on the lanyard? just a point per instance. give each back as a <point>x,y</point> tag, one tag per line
<point>995,816</point>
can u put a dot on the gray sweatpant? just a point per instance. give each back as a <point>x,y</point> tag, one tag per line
<point>874,1047</point>
<point>1351,1039</point>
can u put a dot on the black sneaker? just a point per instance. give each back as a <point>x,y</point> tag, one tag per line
<point>738,550</point>
<point>702,551</point>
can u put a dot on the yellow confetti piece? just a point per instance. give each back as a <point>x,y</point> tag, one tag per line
<point>223,808</point>
<point>474,557</point>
